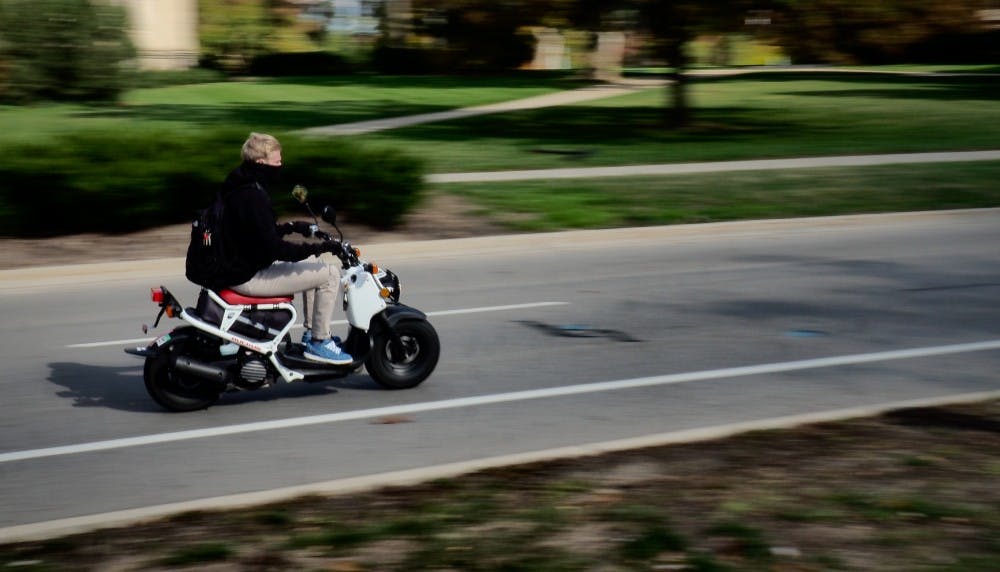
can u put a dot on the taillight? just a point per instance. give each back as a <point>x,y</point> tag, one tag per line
<point>156,295</point>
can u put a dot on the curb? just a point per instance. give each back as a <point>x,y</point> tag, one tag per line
<point>34,278</point>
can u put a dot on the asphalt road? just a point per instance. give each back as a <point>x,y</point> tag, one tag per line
<point>549,341</point>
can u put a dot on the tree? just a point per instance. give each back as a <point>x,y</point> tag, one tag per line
<point>861,31</point>
<point>63,50</point>
<point>479,35</point>
<point>670,26</point>
<point>232,32</point>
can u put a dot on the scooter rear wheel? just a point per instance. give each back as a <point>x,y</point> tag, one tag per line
<point>406,359</point>
<point>175,390</point>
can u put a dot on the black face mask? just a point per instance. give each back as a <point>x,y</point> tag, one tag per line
<point>265,174</point>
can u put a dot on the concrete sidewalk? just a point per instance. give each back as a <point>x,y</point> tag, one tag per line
<point>568,97</point>
<point>717,166</point>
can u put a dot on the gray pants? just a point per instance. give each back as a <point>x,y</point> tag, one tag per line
<point>318,281</point>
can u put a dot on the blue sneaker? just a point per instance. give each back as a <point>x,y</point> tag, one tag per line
<point>327,351</point>
<point>307,337</point>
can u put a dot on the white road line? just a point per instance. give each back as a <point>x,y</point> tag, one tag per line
<point>480,400</point>
<point>341,322</point>
<point>407,477</point>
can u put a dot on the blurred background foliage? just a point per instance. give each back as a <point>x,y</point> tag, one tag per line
<point>121,181</point>
<point>63,50</point>
<point>80,51</point>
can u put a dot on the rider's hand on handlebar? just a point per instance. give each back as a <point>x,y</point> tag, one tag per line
<point>329,246</point>
<point>300,227</point>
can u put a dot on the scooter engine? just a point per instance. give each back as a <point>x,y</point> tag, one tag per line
<point>253,372</point>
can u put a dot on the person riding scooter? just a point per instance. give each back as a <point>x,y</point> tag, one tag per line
<point>261,263</point>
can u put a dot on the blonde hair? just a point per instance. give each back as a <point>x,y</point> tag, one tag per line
<point>258,146</point>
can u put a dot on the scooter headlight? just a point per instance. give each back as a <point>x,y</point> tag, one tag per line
<point>390,285</point>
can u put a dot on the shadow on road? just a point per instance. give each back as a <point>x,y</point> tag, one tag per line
<point>578,331</point>
<point>122,388</point>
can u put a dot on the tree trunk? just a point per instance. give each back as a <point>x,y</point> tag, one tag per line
<point>678,112</point>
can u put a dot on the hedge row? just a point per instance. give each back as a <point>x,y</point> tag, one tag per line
<point>123,182</point>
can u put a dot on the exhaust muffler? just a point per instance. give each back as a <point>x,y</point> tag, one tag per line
<point>203,370</point>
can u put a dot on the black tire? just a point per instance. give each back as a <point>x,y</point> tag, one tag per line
<point>402,368</point>
<point>173,390</point>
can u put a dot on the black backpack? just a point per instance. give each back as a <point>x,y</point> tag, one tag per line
<point>206,259</point>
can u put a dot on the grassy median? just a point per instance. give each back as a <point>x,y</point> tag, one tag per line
<point>540,206</point>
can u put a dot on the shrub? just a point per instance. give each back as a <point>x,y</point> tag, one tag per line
<point>372,186</point>
<point>299,64</point>
<point>63,50</point>
<point>123,182</point>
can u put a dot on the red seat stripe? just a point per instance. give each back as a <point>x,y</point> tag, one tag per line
<point>232,297</point>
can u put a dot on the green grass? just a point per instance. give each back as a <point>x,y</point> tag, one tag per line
<point>771,114</point>
<point>777,114</point>
<point>761,115</point>
<point>277,105</point>
<point>643,201</point>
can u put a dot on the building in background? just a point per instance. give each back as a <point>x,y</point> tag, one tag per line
<point>165,32</point>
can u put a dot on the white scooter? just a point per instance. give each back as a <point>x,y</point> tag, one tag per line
<point>232,342</point>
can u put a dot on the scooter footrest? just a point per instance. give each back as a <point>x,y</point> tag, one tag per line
<point>145,352</point>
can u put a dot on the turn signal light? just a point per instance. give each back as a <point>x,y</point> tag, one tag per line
<point>169,310</point>
<point>357,252</point>
<point>156,295</point>
<point>374,268</point>
<point>385,292</point>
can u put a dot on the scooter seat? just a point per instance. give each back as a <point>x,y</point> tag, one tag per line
<point>232,297</point>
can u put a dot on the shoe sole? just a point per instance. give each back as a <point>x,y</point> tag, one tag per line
<point>320,359</point>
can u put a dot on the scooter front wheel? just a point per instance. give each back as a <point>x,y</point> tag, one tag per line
<point>175,390</point>
<point>404,357</point>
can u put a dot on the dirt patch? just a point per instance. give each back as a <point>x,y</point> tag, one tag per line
<point>913,491</point>
<point>440,216</point>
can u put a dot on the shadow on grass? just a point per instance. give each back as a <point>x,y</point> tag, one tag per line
<point>298,115</point>
<point>569,125</point>
<point>938,87</point>
<point>562,124</point>
<point>553,79</point>
<point>583,125</point>
<point>277,115</point>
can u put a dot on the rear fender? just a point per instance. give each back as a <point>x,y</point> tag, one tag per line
<point>161,343</point>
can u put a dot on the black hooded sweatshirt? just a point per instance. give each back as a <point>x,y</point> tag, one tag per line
<point>251,236</point>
